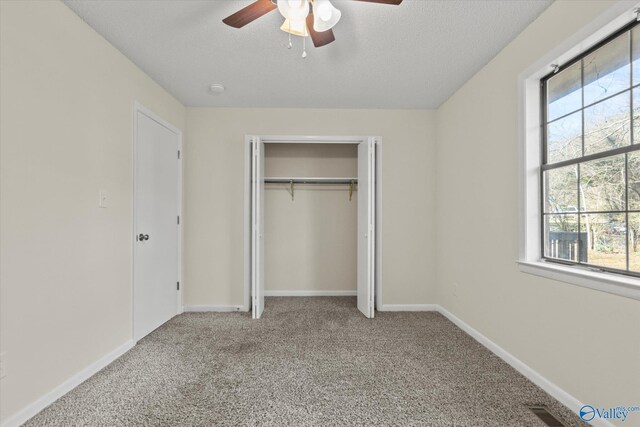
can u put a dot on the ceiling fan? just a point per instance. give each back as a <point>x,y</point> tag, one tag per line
<point>314,18</point>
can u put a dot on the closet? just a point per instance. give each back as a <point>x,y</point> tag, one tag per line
<point>311,218</point>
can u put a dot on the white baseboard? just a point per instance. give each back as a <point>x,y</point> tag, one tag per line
<point>32,409</point>
<point>214,308</point>
<point>310,293</point>
<point>535,377</point>
<point>409,307</point>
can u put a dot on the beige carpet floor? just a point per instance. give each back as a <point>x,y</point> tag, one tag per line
<point>308,362</point>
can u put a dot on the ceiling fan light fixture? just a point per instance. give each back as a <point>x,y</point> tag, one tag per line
<point>325,15</point>
<point>298,20</point>
<point>296,27</point>
<point>324,12</point>
<point>294,9</point>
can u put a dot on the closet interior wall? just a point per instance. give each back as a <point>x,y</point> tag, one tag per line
<point>310,241</point>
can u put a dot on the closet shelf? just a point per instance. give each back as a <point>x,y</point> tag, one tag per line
<point>310,180</point>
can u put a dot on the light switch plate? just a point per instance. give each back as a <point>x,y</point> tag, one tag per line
<point>103,199</point>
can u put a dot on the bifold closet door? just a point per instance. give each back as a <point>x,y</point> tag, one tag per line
<point>366,226</point>
<point>257,227</point>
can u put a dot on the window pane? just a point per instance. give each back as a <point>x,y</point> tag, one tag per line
<point>561,237</point>
<point>634,242</point>
<point>636,116</point>
<point>602,184</point>
<point>635,45</point>
<point>606,125</point>
<point>633,170</point>
<point>563,92</point>
<point>564,138</point>
<point>606,235</point>
<point>591,209</point>
<point>607,70</point>
<point>561,189</point>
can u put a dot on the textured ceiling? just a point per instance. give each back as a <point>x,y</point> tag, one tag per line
<point>414,55</point>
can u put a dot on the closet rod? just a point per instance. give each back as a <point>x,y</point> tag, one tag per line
<point>311,180</point>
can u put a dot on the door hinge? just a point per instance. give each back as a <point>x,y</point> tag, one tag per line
<point>178,153</point>
<point>178,219</point>
<point>178,286</point>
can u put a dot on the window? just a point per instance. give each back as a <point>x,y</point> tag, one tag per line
<point>590,171</point>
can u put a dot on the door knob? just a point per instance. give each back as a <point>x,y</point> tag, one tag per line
<point>143,237</point>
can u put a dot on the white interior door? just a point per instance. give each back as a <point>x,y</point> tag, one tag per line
<point>366,226</point>
<point>257,226</point>
<point>156,207</point>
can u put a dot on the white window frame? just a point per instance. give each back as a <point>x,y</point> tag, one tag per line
<point>529,258</point>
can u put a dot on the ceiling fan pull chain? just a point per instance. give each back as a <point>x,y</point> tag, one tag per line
<point>290,44</point>
<point>304,47</point>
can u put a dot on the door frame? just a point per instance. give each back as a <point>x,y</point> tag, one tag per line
<point>307,139</point>
<point>139,108</point>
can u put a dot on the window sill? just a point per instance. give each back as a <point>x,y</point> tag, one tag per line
<point>612,283</point>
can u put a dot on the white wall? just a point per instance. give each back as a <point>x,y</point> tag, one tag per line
<point>65,267</point>
<point>585,341</point>
<point>310,241</point>
<point>65,264</point>
<point>214,195</point>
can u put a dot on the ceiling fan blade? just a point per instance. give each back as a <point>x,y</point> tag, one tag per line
<point>394,2</point>
<point>319,39</point>
<point>250,13</point>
